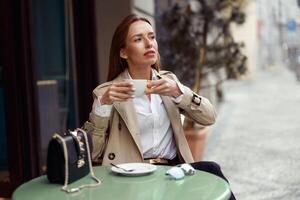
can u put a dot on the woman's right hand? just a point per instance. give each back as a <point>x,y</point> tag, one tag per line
<point>119,91</point>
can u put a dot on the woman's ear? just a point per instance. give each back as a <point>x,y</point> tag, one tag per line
<point>123,54</point>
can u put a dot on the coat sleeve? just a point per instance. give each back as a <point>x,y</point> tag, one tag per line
<point>98,128</point>
<point>195,106</point>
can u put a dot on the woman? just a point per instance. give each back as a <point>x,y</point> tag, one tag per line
<point>146,128</point>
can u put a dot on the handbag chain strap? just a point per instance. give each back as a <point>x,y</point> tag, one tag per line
<point>65,187</point>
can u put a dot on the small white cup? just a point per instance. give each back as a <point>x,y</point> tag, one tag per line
<point>140,86</point>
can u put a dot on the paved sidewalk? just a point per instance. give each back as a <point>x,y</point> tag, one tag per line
<point>256,139</point>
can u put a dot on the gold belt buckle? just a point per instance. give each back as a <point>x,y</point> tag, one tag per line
<point>157,160</point>
<point>154,161</point>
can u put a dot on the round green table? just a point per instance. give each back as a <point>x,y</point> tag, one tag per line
<point>156,186</point>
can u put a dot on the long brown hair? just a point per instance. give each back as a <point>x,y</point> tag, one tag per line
<point>116,63</point>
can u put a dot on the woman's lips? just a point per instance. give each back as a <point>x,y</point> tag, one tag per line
<point>150,53</point>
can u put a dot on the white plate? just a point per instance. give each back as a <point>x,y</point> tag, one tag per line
<point>139,169</point>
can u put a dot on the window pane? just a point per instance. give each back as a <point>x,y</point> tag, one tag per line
<point>55,82</point>
<point>4,173</point>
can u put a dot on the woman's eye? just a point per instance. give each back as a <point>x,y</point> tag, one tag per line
<point>152,37</point>
<point>137,39</point>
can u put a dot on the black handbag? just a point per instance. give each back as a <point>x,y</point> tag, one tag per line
<point>69,159</point>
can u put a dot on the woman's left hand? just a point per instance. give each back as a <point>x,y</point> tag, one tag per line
<point>165,87</point>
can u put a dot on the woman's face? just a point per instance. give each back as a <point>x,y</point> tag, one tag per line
<point>141,46</point>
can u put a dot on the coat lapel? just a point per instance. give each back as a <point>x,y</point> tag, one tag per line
<point>127,112</point>
<point>173,113</point>
<point>172,110</point>
<point>175,120</point>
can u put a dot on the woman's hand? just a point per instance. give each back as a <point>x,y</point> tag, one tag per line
<point>120,91</point>
<point>165,87</point>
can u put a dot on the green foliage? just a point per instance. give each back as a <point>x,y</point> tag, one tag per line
<point>202,25</point>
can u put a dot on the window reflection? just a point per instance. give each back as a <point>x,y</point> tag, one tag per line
<point>54,73</point>
<point>4,173</point>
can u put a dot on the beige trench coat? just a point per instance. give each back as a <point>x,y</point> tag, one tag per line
<point>121,128</point>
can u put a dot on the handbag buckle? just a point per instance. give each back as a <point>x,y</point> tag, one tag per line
<point>80,163</point>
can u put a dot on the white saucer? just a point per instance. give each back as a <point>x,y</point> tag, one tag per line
<point>139,169</point>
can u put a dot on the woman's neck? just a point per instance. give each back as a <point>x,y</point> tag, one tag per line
<point>140,72</point>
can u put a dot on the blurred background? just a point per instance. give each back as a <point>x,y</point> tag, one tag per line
<point>244,55</point>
